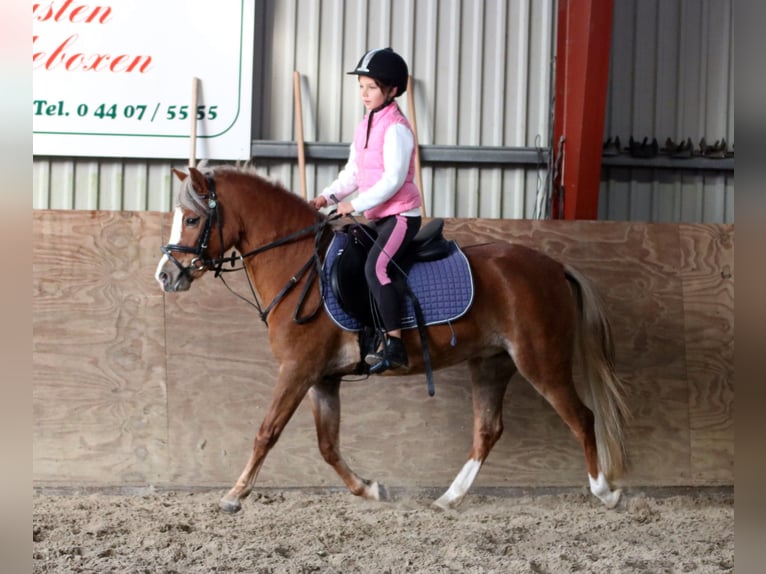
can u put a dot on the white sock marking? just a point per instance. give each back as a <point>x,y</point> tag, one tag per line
<point>601,490</point>
<point>460,485</point>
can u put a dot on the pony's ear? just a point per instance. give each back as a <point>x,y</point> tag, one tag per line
<point>179,174</point>
<point>199,183</point>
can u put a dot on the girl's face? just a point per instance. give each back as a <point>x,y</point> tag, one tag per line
<point>371,93</point>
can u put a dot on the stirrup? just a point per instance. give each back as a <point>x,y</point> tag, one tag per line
<point>391,355</point>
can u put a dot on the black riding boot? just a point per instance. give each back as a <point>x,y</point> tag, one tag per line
<point>391,355</point>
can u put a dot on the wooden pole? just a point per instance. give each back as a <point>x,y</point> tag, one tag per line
<point>193,115</point>
<point>414,122</point>
<point>299,131</point>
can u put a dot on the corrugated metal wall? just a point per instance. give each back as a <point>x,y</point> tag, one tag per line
<point>482,74</point>
<point>89,183</point>
<point>671,76</point>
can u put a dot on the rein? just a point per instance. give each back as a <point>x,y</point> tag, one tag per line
<point>313,264</point>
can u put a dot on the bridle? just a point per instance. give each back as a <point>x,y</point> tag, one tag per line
<point>200,262</point>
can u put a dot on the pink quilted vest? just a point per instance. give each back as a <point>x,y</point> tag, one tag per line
<point>370,163</point>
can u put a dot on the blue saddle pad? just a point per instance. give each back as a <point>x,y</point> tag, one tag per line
<point>444,288</point>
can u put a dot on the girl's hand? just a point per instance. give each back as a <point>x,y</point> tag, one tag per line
<point>318,202</point>
<point>345,208</point>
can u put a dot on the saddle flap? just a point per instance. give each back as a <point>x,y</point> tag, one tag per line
<point>346,263</point>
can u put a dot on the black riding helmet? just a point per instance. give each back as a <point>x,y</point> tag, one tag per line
<point>385,66</point>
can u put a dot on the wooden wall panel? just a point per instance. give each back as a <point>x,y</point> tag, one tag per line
<point>98,349</point>
<point>133,386</point>
<point>708,272</point>
<point>635,268</point>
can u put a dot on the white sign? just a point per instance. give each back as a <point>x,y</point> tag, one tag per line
<point>115,79</point>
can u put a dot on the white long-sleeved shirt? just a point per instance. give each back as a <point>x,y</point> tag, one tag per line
<point>398,144</point>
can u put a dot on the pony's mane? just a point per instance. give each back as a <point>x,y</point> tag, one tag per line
<point>187,198</point>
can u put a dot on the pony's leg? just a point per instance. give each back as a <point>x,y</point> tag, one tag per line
<point>579,419</point>
<point>489,377</point>
<point>288,393</point>
<point>557,386</point>
<point>325,404</point>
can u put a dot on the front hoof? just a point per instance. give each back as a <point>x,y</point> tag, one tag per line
<point>231,503</point>
<point>374,490</point>
<point>384,495</point>
<point>443,504</point>
<point>230,506</point>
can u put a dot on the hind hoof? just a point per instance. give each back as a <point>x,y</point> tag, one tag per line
<point>599,487</point>
<point>612,499</point>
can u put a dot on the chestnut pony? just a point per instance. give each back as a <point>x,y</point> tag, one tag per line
<point>530,314</point>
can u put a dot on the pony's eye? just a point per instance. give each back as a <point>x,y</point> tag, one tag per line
<point>191,221</point>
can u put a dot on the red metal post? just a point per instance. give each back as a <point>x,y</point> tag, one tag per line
<point>582,73</point>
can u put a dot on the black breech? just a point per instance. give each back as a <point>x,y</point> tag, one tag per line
<point>395,233</point>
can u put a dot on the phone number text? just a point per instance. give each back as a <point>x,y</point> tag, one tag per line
<point>138,112</point>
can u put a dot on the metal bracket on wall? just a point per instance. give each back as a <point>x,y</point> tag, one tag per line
<point>665,162</point>
<point>474,156</point>
<point>455,155</point>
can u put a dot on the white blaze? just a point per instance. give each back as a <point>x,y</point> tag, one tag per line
<point>175,237</point>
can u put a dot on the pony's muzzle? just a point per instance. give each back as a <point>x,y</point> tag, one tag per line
<point>172,285</point>
<point>171,278</point>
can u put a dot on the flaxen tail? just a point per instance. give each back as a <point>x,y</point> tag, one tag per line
<point>601,389</point>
